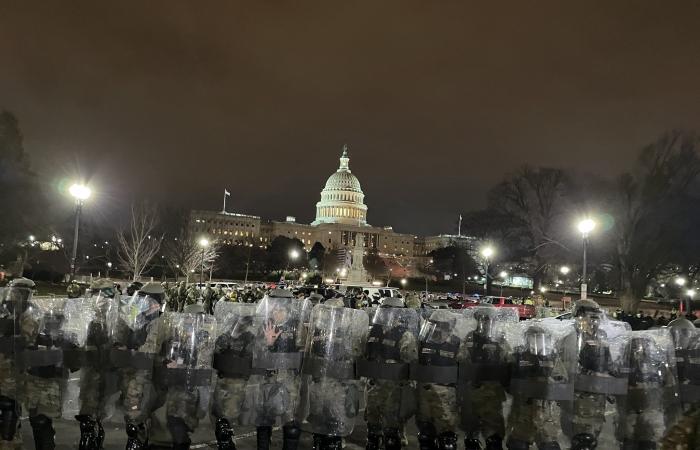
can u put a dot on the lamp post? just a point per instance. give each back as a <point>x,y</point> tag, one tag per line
<point>293,255</point>
<point>585,226</point>
<point>486,253</point>
<point>204,243</point>
<point>80,193</point>
<point>109,266</point>
<point>503,275</point>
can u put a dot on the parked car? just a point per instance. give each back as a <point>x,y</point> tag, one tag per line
<point>464,303</point>
<point>524,311</point>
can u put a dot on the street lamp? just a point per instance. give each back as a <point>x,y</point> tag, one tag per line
<point>680,281</point>
<point>109,266</point>
<point>80,193</point>
<point>585,226</point>
<point>204,243</point>
<point>503,275</point>
<point>403,282</point>
<point>486,253</point>
<point>564,270</point>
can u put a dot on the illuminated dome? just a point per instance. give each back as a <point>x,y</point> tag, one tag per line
<point>342,200</point>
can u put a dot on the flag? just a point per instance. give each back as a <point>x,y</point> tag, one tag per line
<point>227,193</point>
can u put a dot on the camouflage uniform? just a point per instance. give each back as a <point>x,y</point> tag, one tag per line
<point>330,393</point>
<point>686,339</point>
<point>391,347</point>
<point>488,360</point>
<point>542,376</point>
<point>185,372</point>
<point>441,348</point>
<point>233,353</point>
<point>282,322</point>
<point>648,406</point>
<point>14,300</point>
<point>685,434</point>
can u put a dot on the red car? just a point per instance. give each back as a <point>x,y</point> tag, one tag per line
<point>524,311</point>
<point>464,303</point>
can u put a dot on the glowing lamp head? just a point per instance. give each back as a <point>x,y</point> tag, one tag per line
<point>680,281</point>
<point>564,270</point>
<point>294,254</point>
<point>487,252</point>
<point>204,242</point>
<point>586,226</point>
<point>503,274</point>
<point>403,281</point>
<point>80,191</point>
<point>690,293</point>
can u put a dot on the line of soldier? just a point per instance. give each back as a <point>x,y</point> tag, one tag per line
<point>282,362</point>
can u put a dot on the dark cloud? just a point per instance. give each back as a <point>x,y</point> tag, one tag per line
<point>437,100</point>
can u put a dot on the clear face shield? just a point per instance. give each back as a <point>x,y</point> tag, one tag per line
<point>588,324</point>
<point>682,337</point>
<point>485,325</point>
<point>436,331</point>
<point>15,299</point>
<point>145,309</point>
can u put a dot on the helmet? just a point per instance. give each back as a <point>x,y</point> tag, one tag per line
<point>485,317</point>
<point>22,282</point>
<point>104,286</point>
<point>133,287</point>
<point>682,331</point>
<point>280,293</point>
<point>153,290</point>
<point>392,302</point>
<point>586,307</point>
<point>18,293</point>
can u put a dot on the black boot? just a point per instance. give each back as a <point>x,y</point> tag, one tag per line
<point>100,434</point>
<point>133,442</point>
<point>494,442</point>
<point>9,418</point>
<point>318,441</point>
<point>374,437</point>
<point>548,446</point>
<point>392,439</point>
<point>333,443</point>
<point>290,436</point>
<point>447,441</point>
<point>427,439</point>
<point>43,431</point>
<point>180,433</point>
<point>646,445</point>
<point>224,435</point>
<point>264,435</point>
<point>472,442</point>
<point>584,441</point>
<point>88,436</point>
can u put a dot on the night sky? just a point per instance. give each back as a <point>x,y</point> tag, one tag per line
<point>437,100</point>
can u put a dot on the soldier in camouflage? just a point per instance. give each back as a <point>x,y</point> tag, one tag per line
<point>489,358</point>
<point>441,349</point>
<point>14,303</point>
<point>330,393</point>
<point>135,342</point>
<point>391,346</point>
<point>185,371</point>
<point>541,377</point>
<point>233,352</point>
<point>74,290</point>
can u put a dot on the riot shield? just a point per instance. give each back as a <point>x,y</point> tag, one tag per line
<point>651,404</point>
<point>233,353</point>
<point>686,339</point>
<point>440,352</point>
<point>330,391</point>
<point>86,356</point>
<point>544,361</point>
<point>186,368</point>
<point>282,324</point>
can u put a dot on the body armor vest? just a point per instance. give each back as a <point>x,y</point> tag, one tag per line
<point>439,354</point>
<point>384,346</point>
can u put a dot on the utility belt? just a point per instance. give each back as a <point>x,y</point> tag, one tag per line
<point>434,374</point>
<point>228,365</point>
<point>382,370</point>
<point>132,359</point>
<point>77,358</point>
<point>601,385</point>
<point>278,361</point>
<point>319,368</point>
<point>541,389</point>
<point>176,377</point>
<point>28,359</point>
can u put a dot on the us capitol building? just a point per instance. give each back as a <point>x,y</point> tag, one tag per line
<point>341,215</point>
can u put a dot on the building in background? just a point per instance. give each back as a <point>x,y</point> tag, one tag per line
<point>341,215</point>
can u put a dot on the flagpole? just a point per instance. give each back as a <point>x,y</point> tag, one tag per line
<point>225,194</point>
<point>459,230</point>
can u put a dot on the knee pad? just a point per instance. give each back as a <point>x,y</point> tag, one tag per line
<point>9,418</point>
<point>374,436</point>
<point>472,442</point>
<point>392,439</point>
<point>448,441</point>
<point>583,441</point>
<point>548,446</point>
<point>179,431</point>
<point>427,436</point>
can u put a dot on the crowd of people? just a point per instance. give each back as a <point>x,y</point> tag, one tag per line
<point>275,359</point>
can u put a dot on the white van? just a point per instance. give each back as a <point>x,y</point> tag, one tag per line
<point>375,293</point>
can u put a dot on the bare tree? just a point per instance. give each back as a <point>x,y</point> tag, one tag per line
<point>137,244</point>
<point>650,205</point>
<point>185,256</point>
<point>530,200</point>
